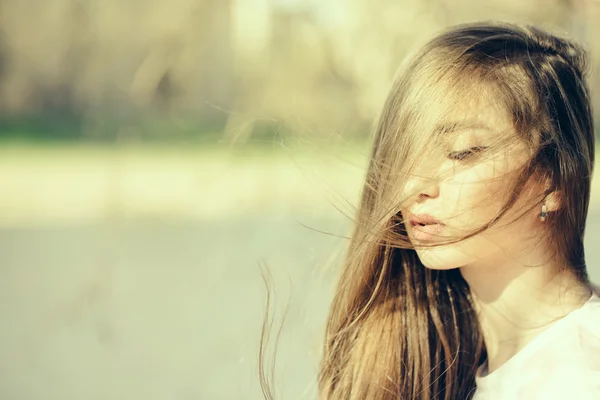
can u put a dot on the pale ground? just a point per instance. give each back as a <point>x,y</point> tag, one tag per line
<point>135,274</point>
<point>82,184</point>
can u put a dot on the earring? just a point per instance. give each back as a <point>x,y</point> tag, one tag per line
<point>544,213</point>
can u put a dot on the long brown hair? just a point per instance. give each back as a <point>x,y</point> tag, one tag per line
<point>398,330</point>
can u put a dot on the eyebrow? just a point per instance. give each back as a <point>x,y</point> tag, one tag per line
<point>449,127</point>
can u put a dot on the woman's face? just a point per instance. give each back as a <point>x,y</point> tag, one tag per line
<point>465,199</point>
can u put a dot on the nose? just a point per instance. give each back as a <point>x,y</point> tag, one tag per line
<point>429,189</point>
<point>423,188</point>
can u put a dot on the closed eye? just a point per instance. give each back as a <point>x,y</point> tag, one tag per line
<point>464,154</point>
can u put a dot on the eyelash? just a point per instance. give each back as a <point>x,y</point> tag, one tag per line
<point>461,155</point>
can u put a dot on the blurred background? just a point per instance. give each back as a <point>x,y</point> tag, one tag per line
<point>154,155</point>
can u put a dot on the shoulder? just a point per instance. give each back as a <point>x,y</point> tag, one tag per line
<point>588,334</point>
<point>574,372</point>
<point>573,354</point>
<point>577,383</point>
<point>579,360</point>
<point>588,320</point>
<point>565,364</point>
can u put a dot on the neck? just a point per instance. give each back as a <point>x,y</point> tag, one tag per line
<point>515,302</point>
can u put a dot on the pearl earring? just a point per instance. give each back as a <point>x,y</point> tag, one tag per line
<point>544,213</point>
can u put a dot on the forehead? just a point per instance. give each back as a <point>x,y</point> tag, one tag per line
<point>480,113</point>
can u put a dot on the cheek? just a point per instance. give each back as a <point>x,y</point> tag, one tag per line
<point>501,240</point>
<point>477,203</point>
<point>472,199</point>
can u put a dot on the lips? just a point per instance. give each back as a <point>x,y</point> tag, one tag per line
<point>425,226</point>
<point>423,219</point>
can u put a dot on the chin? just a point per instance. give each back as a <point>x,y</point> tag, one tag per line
<point>438,258</point>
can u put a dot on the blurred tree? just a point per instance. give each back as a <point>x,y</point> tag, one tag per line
<point>242,66</point>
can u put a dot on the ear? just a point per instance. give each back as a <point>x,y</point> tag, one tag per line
<point>552,201</point>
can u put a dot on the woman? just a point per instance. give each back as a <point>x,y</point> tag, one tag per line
<point>465,275</point>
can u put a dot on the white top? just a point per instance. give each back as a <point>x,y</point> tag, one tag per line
<point>562,362</point>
